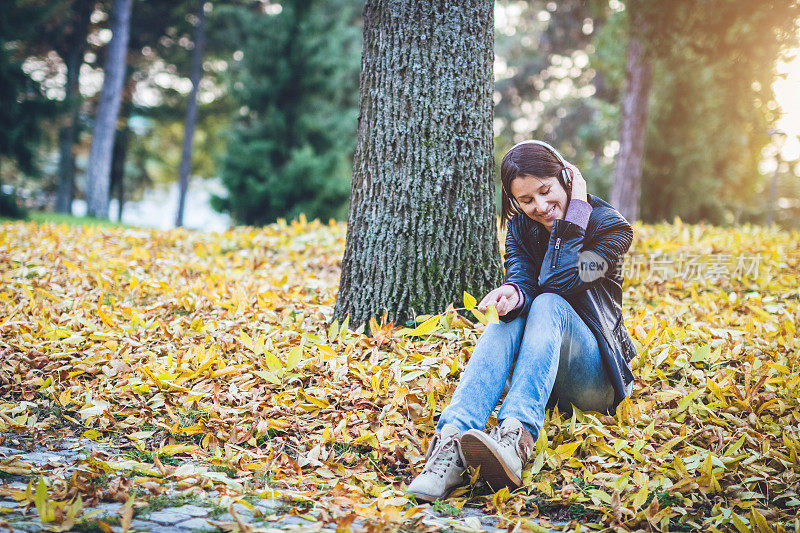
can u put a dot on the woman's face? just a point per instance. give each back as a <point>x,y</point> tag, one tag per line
<point>541,199</point>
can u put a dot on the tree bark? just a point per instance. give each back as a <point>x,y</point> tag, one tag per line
<point>627,186</point>
<point>191,110</point>
<point>99,167</point>
<point>73,59</point>
<point>422,225</point>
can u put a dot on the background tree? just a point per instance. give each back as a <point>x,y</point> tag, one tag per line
<point>191,109</point>
<point>626,188</point>
<point>711,106</point>
<point>68,31</point>
<point>421,227</point>
<point>24,104</point>
<point>295,84</point>
<point>100,155</point>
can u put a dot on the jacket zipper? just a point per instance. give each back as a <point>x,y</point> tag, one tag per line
<point>557,247</point>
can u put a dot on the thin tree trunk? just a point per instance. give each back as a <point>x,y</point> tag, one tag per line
<point>191,110</point>
<point>99,168</point>
<point>422,225</point>
<point>66,136</point>
<point>118,162</point>
<point>120,199</point>
<point>627,186</point>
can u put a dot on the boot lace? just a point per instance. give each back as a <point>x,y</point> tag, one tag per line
<point>446,452</point>
<point>505,436</point>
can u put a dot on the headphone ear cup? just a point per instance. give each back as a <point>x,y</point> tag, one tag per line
<point>566,179</point>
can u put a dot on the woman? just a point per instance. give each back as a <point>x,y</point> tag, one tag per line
<point>561,337</point>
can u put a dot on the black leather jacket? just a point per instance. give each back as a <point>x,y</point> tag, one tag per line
<point>538,261</point>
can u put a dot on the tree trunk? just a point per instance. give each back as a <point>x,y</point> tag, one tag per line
<point>191,110</point>
<point>118,162</point>
<point>99,168</point>
<point>627,186</point>
<point>66,136</point>
<point>422,225</point>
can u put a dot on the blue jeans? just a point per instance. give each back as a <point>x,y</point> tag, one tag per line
<point>549,351</point>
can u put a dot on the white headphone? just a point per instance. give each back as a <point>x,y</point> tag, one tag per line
<point>564,175</point>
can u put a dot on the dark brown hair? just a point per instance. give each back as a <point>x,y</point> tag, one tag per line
<point>524,160</point>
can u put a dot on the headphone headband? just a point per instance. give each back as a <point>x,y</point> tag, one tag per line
<point>544,144</point>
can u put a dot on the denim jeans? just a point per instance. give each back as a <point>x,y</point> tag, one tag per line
<point>549,351</point>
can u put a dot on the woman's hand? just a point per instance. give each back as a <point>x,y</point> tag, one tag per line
<point>504,298</point>
<point>578,183</point>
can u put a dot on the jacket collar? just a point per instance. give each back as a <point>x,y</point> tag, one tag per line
<point>537,233</point>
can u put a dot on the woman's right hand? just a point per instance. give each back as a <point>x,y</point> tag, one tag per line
<point>504,298</point>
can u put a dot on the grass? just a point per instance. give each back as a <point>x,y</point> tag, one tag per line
<point>446,509</point>
<point>14,477</point>
<point>94,525</point>
<point>147,457</point>
<point>163,501</point>
<point>227,470</point>
<point>44,217</point>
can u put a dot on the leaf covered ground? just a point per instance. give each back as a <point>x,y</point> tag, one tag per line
<point>211,360</point>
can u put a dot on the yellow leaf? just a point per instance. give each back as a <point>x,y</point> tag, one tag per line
<point>247,341</point>
<point>326,350</point>
<point>174,449</point>
<point>333,331</point>
<point>491,315</point>
<point>272,362</point>
<point>41,498</point>
<point>739,523</point>
<point>105,317</point>
<point>294,357</point>
<point>640,497</point>
<point>469,301</point>
<point>426,327</point>
<point>761,523</point>
<point>92,434</point>
<point>501,496</point>
<point>65,397</point>
<point>268,376</point>
<point>480,316</point>
<point>565,451</point>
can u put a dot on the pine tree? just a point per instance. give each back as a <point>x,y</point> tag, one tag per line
<point>297,81</point>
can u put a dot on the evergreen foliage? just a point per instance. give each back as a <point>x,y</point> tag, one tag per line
<point>23,104</point>
<point>290,149</point>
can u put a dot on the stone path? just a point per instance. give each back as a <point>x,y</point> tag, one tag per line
<point>182,510</point>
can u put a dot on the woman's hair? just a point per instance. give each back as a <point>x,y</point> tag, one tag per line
<point>524,160</point>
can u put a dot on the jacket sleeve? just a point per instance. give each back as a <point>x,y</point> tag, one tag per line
<point>521,270</point>
<point>575,260</point>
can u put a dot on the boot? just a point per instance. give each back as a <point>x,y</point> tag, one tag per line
<point>444,467</point>
<point>501,454</point>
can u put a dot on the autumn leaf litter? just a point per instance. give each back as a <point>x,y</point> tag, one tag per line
<point>209,365</point>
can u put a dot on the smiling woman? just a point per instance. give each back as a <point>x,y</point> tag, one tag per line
<point>561,339</point>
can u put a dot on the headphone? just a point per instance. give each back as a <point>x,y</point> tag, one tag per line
<point>564,175</point>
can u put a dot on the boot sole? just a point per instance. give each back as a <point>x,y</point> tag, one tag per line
<point>478,451</point>
<point>427,498</point>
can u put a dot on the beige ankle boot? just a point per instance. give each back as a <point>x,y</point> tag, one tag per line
<point>501,454</point>
<point>444,467</point>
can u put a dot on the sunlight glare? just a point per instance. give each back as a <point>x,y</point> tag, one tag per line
<point>787,94</point>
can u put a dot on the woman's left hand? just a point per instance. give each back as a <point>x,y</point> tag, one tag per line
<point>578,183</point>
